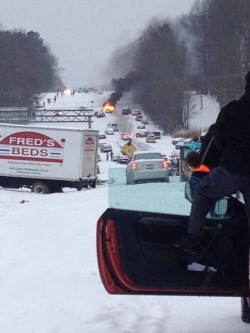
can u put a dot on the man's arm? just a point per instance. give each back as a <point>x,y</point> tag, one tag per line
<point>222,126</point>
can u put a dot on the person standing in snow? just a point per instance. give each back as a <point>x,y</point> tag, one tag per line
<point>111,155</point>
<point>232,138</point>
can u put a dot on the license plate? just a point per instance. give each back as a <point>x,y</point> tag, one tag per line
<point>149,166</point>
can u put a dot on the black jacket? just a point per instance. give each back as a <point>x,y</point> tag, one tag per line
<point>232,135</point>
<point>209,151</point>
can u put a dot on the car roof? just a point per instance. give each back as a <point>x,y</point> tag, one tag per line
<point>145,152</point>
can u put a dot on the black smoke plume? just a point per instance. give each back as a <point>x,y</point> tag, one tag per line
<point>121,85</point>
<point>113,99</point>
<point>124,84</point>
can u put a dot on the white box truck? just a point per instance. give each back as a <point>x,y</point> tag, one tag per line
<point>46,159</point>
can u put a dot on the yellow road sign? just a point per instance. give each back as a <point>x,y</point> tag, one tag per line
<point>129,149</point>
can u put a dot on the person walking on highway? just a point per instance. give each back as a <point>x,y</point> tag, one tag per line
<point>232,138</point>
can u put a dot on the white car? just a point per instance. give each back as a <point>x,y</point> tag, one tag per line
<point>147,166</point>
<point>182,143</point>
<point>105,148</point>
<point>176,140</point>
<point>151,138</point>
<point>109,131</point>
<point>114,126</point>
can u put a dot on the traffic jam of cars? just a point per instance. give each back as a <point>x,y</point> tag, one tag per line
<point>142,167</point>
<point>125,156</point>
<point>141,132</point>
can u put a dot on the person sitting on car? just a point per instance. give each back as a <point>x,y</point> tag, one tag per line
<point>233,173</point>
<point>197,170</point>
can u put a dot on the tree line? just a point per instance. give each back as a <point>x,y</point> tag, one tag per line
<point>27,67</point>
<point>206,51</point>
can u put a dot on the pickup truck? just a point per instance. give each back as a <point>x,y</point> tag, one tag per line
<point>136,237</point>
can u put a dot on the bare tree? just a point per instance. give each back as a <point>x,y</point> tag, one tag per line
<point>221,28</point>
<point>160,65</point>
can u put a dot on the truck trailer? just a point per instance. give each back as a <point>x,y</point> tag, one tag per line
<point>47,159</point>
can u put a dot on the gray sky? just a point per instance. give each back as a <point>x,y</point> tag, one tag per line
<point>83,34</point>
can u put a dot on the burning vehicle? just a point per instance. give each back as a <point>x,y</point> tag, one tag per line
<point>110,105</point>
<point>108,108</point>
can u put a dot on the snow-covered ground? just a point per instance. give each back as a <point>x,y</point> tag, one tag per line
<point>48,267</point>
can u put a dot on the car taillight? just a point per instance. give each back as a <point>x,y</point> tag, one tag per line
<point>164,164</point>
<point>133,166</point>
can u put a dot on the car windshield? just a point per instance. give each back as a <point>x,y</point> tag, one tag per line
<point>149,197</point>
<point>152,197</point>
<point>148,156</point>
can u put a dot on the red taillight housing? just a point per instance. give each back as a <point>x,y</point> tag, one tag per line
<point>164,164</point>
<point>133,166</point>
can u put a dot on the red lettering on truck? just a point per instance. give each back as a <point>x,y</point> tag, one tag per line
<point>32,146</point>
<point>30,139</point>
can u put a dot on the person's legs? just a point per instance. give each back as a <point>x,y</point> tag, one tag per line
<point>245,190</point>
<point>218,184</point>
<point>201,206</point>
<point>246,195</point>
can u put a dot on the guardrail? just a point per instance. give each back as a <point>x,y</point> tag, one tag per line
<point>24,115</point>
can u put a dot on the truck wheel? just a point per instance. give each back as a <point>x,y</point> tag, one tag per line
<point>245,309</point>
<point>40,187</point>
<point>79,187</point>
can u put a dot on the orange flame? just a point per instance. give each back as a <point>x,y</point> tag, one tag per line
<point>108,107</point>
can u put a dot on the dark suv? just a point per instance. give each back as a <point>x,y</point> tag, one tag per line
<point>126,111</point>
<point>157,134</point>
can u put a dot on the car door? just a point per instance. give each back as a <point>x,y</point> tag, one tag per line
<point>136,252</point>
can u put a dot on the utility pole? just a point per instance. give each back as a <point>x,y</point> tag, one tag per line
<point>201,102</point>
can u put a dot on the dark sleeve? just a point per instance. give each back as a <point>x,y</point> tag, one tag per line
<point>222,127</point>
<point>204,143</point>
